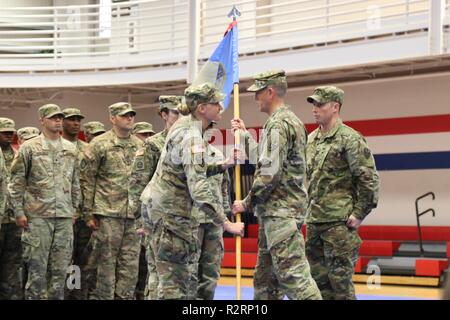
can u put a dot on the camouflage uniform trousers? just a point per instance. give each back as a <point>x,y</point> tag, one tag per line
<point>151,290</point>
<point>11,267</point>
<point>332,251</point>
<point>210,255</point>
<point>114,259</point>
<point>47,251</point>
<point>143,271</point>
<point>282,267</point>
<point>175,260</point>
<point>81,236</point>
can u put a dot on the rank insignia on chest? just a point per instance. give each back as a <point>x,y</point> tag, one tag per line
<point>140,164</point>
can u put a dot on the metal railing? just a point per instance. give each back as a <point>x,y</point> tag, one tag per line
<point>155,32</point>
<point>123,34</point>
<point>271,25</point>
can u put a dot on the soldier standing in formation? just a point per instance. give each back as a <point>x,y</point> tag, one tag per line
<point>71,128</point>
<point>180,181</point>
<point>142,130</point>
<point>45,193</point>
<point>278,196</point>
<point>142,172</point>
<point>93,129</point>
<point>26,133</point>
<point>3,186</point>
<point>10,234</point>
<point>81,233</point>
<point>105,171</point>
<point>343,189</point>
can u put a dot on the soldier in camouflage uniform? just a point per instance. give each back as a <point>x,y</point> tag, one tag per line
<point>142,172</point>
<point>210,236</point>
<point>3,185</point>
<point>105,171</point>
<point>11,286</point>
<point>26,133</point>
<point>278,196</point>
<point>179,183</point>
<point>343,189</point>
<point>83,247</point>
<point>71,128</point>
<point>143,130</point>
<point>45,193</point>
<point>93,129</point>
<point>81,232</point>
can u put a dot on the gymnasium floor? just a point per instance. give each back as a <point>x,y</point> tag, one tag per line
<point>226,290</point>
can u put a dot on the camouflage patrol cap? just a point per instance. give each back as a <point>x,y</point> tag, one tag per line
<point>7,125</point>
<point>203,93</point>
<point>72,112</point>
<point>170,102</point>
<point>142,127</point>
<point>326,94</point>
<point>49,110</point>
<point>27,133</point>
<point>263,79</point>
<point>94,127</point>
<point>120,109</point>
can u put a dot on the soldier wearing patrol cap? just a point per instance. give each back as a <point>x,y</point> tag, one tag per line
<point>26,133</point>
<point>10,234</point>
<point>72,127</point>
<point>144,166</point>
<point>338,156</point>
<point>82,233</point>
<point>180,180</point>
<point>105,170</point>
<point>143,130</point>
<point>45,192</point>
<point>278,195</point>
<point>3,185</point>
<point>93,129</point>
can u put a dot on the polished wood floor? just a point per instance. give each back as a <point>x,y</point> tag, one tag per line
<point>363,289</point>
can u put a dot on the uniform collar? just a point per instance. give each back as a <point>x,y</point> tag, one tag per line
<point>329,134</point>
<point>45,145</point>
<point>280,108</point>
<point>119,141</point>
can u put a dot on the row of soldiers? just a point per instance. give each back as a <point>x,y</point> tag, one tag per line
<point>17,242</point>
<point>110,205</point>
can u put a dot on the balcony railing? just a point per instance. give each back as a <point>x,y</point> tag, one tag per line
<point>144,33</point>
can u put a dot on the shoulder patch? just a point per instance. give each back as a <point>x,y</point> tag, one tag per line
<point>83,164</point>
<point>89,154</point>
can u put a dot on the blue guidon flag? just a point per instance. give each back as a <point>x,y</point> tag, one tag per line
<point>222,68</point>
